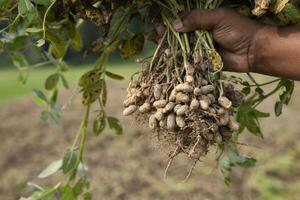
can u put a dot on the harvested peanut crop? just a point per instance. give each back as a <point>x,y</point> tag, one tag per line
<point>184,97</point>
<point>182,94</point>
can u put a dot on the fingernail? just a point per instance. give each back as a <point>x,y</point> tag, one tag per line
<point>177,24</point>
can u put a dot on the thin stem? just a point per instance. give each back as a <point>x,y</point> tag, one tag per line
<point>252,79</point>
<point>84,131</point>
<point>188,48</point>
<point>45,18</point>
<point>167,23</point>
<point>209,40</point>
<point>157,50</point>
<point>78,134</point>
<point>11,24</point>
<point>35,66</point>
<point>260,100</point>
<point>100,63</point>
<point>267,83</point>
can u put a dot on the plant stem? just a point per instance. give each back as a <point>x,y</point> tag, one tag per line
<point>264,84</point>
<point>187,44</point>
<point>157,50</point>
<point>11,24</point>
<point>252,79</point>
<point>260,100</point>
<point>84,131</point>
<point>100,63</point>
<point>45,17</point>
<point>80,129</point>
<point>168,24</point>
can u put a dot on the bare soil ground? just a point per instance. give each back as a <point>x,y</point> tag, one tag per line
<point>131,166</point>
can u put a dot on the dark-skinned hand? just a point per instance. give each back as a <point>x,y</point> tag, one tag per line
<point>232,32</point>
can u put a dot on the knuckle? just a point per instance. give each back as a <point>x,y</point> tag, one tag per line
<point>189,20</point>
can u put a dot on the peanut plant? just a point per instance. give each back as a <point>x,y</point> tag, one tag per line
<point>181,92</point>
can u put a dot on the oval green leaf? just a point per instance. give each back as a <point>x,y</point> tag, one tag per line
<point>51,81</point>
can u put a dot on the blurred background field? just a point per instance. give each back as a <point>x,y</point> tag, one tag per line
<point>131,166</point>
<point>11,88</point>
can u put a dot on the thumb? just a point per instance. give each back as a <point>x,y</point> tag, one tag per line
<point>197,19</point>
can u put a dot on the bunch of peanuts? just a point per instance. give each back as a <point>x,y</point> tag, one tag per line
<point>177,108</point>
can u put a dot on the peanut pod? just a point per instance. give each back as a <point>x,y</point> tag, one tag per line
<point>129,110</point>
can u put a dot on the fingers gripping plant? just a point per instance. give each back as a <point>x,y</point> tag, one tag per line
<point>181,91</point>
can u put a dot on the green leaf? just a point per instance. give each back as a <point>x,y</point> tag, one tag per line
<point>259,114</point>
<point>45,115</point>
<point>54,96</point>
<point>19,60</point>
<point>227,180</point>
<point>245,83</point>
<point>235,158</point>
<point>87,196</point>
<point>1,46</point>
<point>104,93</point>
<point>242,161</point>
<point>63,67</point>
<point>4,2</point>
<point>58,45</point>
<point>259,91</point>
<point>17,44</point>
<point>286,95</point>
<point>278,108</point>
<point>226,164</point>
<point>52,81</point>
<point>55,112</point>
<point>135,25</point>
<point>117,25</point>
<point>77,42</point>
<point>114,76</point>
<point>248,162</point>
<point>51,169</point>
<point>253,127</point>
<point>47,193</point>
<point>79,187</point>
<point>246,90</point>
<point>22,77</point>
<point>99,125</point>
<point>24,7</point>
<point>114,124</point>
<point>40,95</point>
<point>289,15</point>
<point>69,161</point>
<point>82,169</point>
<point>133,46</point>
<point>247,116</point>
<point>64,81</point>
<point>67,193</point>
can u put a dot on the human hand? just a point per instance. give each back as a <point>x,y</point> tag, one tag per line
<point>233,33</point>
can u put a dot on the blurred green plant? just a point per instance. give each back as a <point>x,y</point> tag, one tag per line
<point>275,179</point>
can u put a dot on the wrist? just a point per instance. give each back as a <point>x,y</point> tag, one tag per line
<point>260,48</point>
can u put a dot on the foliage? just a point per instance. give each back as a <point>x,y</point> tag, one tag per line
<point>275,179</point>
